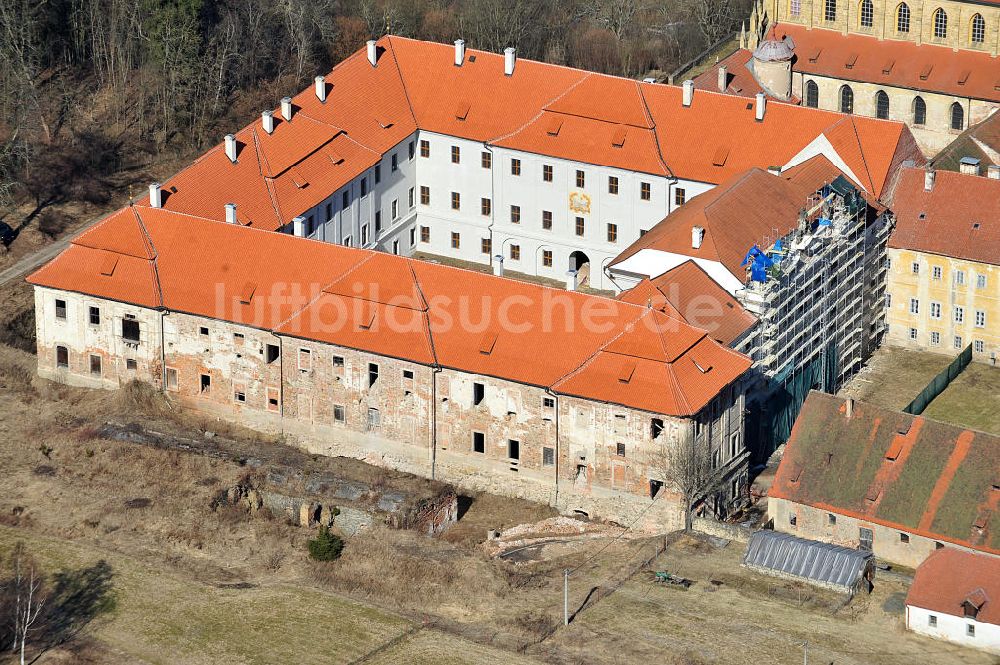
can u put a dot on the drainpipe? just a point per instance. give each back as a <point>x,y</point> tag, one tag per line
<point>493,200</point>
<point>281,381</point>
<point>434,401</point>
<point>163,353</point>
<point>670,190</point>
<point>555,398</point>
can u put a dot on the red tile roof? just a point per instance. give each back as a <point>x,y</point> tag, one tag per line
<point>905,64</point>
<point>739,79</point>
<point>689,294</point>
<point>603,120</point>
<point>432,314</point>
<point>891,468</point>
<point>950,577</point>
<point>959,217</point>
<point>752,208</point>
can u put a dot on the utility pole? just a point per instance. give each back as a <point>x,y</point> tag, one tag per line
<point>566,596</point>
<point>805,653</point>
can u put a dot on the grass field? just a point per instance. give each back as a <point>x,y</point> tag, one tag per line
<point>895,376</point>
<point>432,647</point>
<point>972,400</point>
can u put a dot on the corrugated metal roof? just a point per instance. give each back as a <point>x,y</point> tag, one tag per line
<point>809,559</point>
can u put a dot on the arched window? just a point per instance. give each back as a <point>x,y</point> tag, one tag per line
<point>846,99</point>
<point>978,29</point>
<point>919,111</point>
<point>881,105</point>
<point>903,17</point>
<point>812,94</point>
<point>830,10</point>
<point>957,116</point>
<point>867,13</point>
<point>940,24</point>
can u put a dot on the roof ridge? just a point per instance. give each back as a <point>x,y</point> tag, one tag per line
<point>262,158</point>
<point>541,110</point>
<point>652,124</point>
<point>402,80</point>
<point>426,312</point>
<point>593,356</point>
<point>152,247</point>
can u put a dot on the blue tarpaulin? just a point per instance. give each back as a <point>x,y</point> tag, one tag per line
<point>759,262</point>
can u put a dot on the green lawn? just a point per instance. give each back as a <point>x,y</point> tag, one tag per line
<point>972,400</point>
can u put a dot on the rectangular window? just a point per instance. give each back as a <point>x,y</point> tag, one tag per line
<point>515,214</point>
<point>680,196</point>
<point>487,160</point>
<point>339,415</point>
<point>486,246</point>
<point>979,346</point>
<point>793,519</point>
<point>394,164</point>
<point>958,341</point>
<point>513,449</point>
<point>408,374</point>
<point>913,333</point>
<point>831,519</point>
<point>478,442</point>
<point>425,148</point>
<point>171,378</point>
<point>970,630</point>
<point>205,382</point>
<point>425,195</point>
<point>364,188</point>
<point>980,318</point>
<point>935,310</point>
<point>305,360</point>
<point>425,234</point>
<point>410,198</point>
<point>515,252</point>
<point>238,338</point>
<point>548,456</point>
<point>916,268</point>
<point>932,620</point>
<point>456,240</point>
<point>612,184</point>
<point>980,281</point>
<point>547,258</point>
<point>515,167</point>
<point>378,221</point>
<point>456,201</point>
<point>348,241</point>
<point>959,314</point>
<point>413,237</point>
<point>95,365</point>
<point>338,364</point>
<point>935,338</point>
<point>372,374</point>
<point>612,233</point>
<point>240,393</point>
<point>580,226</point>
<point>486,207</point>
<point>271,353</point>
<point>904,538</point>
<point>95,316</point>
<point>378,176</point>
<point>272,399</point>
<point>581,179</point>
<point>655,427</point>
<point>329,211</point>
<point>548,403</point>
<point>60,309</point>
<point>914,306</point>
<point>345,201</point>
<point>644,191</point>
<point>959,277</point>
<point>364,230</point>
<point>936,272</point>
<point>620,451</point>
<point>130,364</point>
<point>456,154</point>
<point>478,393</point>
<point>547,172</point>
<point>395,209</point>
<point>410,150</point>
<point>547,220</point>
<point>130,330</point>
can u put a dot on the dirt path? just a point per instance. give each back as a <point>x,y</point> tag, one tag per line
<point>28,263</point>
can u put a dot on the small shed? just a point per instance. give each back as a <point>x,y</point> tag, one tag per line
<point>829,566</point>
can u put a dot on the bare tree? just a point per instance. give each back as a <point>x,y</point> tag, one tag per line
<point>686,465</point>
<point>28,599</point>
<point>715,18</point>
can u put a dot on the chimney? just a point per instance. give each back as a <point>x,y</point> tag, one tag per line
<point>299,227</point>
<point>372,52</point>
<point>723,78</point>
<point>993,172</point>
<point>929,180</point>
<point>760,107</point>
<point>459,52</point>
<point>697,235</point>
<point>155,196</point>
<point>231,213</point>
<point>849,407</point>
<point>571,280</point>
<point>231,148</point>
<point>321,88</point>
<point>286,108</point>
<point>509,59</point>
<point>688,95</point>
<point>969,166</point>
<point>498,265</point>
<point>267,121</point>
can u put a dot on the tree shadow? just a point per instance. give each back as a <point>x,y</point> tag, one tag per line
<point>76,598</point>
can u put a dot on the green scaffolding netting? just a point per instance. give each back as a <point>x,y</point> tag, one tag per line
<point>940,382</point>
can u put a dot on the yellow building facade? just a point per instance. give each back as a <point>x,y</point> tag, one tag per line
<point>943,304</point>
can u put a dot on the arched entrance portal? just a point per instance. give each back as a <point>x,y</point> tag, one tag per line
<point>580,262</point>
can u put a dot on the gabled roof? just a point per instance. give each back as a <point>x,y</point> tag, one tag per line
<point>895,469</point>
<point>950,577</point>
<point>688,293</point>
<point>959,217</point>
<point>403,308</point>
<point>752,208</point>
<point>898,63</point>
<point>603,120</point>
